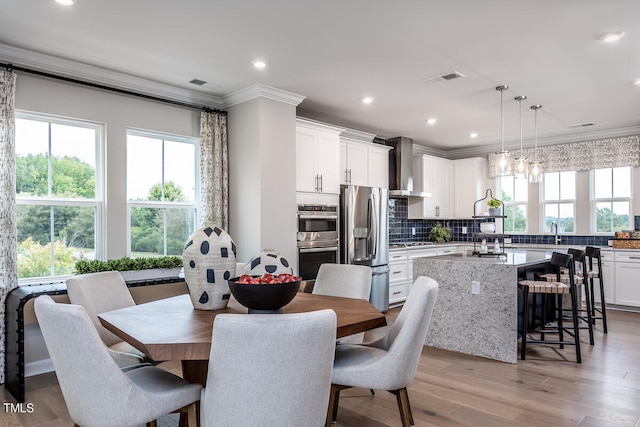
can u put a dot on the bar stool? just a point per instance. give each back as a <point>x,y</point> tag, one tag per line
<point>593,253</point>
<point>582,282</point>
<point>557,288</point>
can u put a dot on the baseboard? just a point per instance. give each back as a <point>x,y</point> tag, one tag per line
<point>38,367</point>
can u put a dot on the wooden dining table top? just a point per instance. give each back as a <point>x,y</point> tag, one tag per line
<point>171,329</point>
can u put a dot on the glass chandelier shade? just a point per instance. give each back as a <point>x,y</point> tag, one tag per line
<point>535,168</point>
<point>521,164</point>
<point>503,159</point>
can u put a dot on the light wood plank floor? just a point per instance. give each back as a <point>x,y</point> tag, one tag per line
<point>451,389</point>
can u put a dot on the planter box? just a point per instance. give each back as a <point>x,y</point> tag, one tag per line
<point>150,274</point>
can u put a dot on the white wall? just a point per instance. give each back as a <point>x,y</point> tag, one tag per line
<point>117,112</point>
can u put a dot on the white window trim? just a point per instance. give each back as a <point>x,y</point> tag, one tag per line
<point>543,206</point>
<point>165,205</point>
<point>97,202</point>
<point>593,200</point>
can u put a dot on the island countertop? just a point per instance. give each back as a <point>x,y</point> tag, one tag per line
<point>515,257</point>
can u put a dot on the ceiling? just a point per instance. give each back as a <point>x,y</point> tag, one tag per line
<point>335,52</point>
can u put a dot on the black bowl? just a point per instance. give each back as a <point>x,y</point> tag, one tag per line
<point>264,297</point>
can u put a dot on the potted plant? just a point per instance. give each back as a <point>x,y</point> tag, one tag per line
<point>439,234</point>
<point>494,207</point>
<point>144,268</point>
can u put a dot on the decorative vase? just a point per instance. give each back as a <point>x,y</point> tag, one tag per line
<point>209,259</point>
<point>268,261</point>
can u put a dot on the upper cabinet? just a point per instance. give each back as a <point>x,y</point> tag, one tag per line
<point>317,157</point>
<point>362,162</point>
<point>469,178</point>
<point>432,175</point>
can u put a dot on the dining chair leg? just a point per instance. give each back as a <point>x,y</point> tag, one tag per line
<point>404,406</point>
<point>334,400</point>
<point>152,424</point>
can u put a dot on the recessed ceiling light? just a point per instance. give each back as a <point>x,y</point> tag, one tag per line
<point>636,82</point>
<point>432,121</point>
<point>66,2</point>
<point>367,100</point>
<point>612,37</point>
<point>259,64</point>
<point>473,135</point>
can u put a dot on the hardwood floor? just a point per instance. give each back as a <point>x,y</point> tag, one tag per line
<point>451,389</point>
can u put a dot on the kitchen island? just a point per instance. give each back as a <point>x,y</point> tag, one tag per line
<point>480,318</point>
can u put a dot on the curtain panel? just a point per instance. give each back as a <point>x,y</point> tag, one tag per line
<point>8,231</point>
<point>581,156</point>
<point>214,169</point>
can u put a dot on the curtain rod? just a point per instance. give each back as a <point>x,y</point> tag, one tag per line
<point>11,67</point>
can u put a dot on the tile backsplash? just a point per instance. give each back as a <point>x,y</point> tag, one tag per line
<point>403,230</point>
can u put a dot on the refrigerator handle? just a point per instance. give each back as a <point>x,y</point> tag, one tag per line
<point>373,218</point>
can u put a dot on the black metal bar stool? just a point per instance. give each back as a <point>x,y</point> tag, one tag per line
<point>557,288</point>
<point>593,253</point>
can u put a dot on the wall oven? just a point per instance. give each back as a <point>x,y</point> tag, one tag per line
<point>317,238</point>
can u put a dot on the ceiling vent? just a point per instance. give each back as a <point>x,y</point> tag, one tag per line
<point>202,83</point>
<point>444,77</point>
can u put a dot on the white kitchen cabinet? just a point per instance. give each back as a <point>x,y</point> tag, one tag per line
<point>398,276</point>
<point>363,162</point>
<point>434,176</point>
<point>469,182</point>
<point>317,157</point>
<point>354,163</point>
<point>379,165</point>
<point>627,286</point>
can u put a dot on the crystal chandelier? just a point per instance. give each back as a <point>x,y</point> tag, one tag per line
<point>503,158</point>
<point>535,169</point>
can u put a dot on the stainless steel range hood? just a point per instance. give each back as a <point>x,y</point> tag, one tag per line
<point>401,168</point>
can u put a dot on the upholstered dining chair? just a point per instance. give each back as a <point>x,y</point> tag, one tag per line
<point>344,280</point>
<point>389,363</point>
<point>269,369</point>
<point>97,392</point>
<point>98,293</point>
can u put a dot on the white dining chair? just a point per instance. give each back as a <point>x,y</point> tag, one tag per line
<point>97,392</point>
<point>344,280</point>
<point>98,293</point>
<point>269,369</point>
<point>389,363</point>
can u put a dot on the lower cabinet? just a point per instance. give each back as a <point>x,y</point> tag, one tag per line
<point>627,286</point>
<point>398,276</point>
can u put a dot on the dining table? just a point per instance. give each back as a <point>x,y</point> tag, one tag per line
<point>172,329</point>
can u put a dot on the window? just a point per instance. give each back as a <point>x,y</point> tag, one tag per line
<point>513,192</point>
<point>611,199</point>
<point>58,193</point>
<point>161,191</point>
<point>559,199</point>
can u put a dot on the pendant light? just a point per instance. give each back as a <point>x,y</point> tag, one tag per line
<point>521,166</point>
<point>535,169</point>
<point>503,158</point>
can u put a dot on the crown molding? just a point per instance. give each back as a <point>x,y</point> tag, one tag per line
<point>317,125</point>
<point>357,135</point>
<point>93,74</point>
<point>260,90</point>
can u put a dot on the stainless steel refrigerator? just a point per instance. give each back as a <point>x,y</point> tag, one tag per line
<point>364,236</point>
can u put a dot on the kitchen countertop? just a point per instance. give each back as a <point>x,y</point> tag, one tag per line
<point>413,245</point>
<point>516,257</point>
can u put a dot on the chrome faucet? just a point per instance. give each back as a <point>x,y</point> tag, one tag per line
<point>554,230</point>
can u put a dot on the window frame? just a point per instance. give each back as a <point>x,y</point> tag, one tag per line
<point>559,201</point>
<point>162,204</point>
<point>515,202</point>
<point>98,202</point>
<point>593,226</point>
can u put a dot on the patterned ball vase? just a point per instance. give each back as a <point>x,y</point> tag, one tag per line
<point>209,260</point>
<point>268,261</point>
